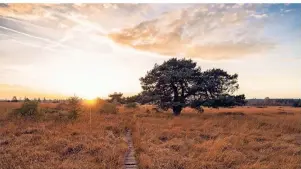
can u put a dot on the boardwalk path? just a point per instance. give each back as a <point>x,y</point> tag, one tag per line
<point>130,161</point>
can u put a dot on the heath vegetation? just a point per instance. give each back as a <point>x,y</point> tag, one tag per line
<point>184,118</point>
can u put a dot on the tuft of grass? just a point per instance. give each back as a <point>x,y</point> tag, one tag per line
<point>108,108</point>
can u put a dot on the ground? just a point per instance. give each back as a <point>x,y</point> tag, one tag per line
<point>62,144</point>
<point>238,138</point>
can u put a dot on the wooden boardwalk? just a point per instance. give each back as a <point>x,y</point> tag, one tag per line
<point>130,161</point>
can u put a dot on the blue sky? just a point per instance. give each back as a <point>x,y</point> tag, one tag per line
<point>93,50</point>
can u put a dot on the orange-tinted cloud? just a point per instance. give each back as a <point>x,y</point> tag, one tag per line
<point>207,31</point>
<point>200,32</point>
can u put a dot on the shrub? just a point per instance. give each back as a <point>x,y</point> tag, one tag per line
<point>108,108</point>
<point>74,107</point>
<point>28,109</point>
<point>131,105</point>
<point>14,99</point>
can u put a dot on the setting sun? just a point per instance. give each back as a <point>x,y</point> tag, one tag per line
<point>90,101</point>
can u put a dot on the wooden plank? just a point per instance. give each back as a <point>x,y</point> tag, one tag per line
<point>130,160</point>
<point>131,167</point>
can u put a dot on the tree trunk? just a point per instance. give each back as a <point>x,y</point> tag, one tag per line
<point>177,110</point>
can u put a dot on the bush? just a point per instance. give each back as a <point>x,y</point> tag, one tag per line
<point>28,109</point>
<point>131,105</point>
<point>14,99</point>
<point>108,108</point>
<point>74,107</point>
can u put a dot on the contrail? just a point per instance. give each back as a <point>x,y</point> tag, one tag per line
<point>31,36</point>
<point>34,25</point>
<point>56,44</point>
<point>42,39</point>
<point>23,22</point>
<point>86,24</point>
<point>96,27</point>
<point>25,44</point>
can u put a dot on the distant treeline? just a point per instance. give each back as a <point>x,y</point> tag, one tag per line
<point>43,100</point>
<point>274,102</point>
<point>118,97</point>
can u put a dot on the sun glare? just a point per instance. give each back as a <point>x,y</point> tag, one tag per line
<point>90,101</point>
<point>86,80</point>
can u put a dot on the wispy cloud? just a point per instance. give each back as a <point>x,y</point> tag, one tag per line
<point>207,31</point>
<point>204,31</point>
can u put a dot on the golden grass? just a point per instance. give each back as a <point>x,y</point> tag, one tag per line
<point>62,145</point>
<point>242,138</point>
<point>245,138</point>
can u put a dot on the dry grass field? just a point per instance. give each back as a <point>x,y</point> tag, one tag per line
<point>244,138</point>
<point>236,138</point>
<point>53,144</point>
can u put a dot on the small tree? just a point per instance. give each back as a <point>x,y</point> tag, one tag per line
<point>74,107</point>
<point>178,83</point>
<point>116,97</point>
<point>267,101</point>
<point>14,99</point>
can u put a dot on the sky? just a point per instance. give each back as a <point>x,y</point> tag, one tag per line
<point>57,50</point>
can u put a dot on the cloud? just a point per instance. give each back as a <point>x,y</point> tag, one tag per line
<point>214,33</point>
<point>215,30</point>
<point>172,46</point>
